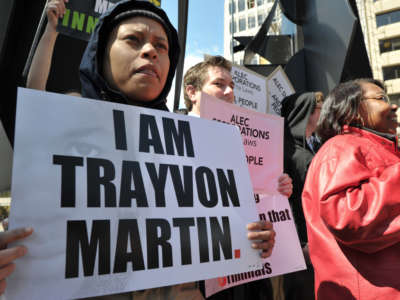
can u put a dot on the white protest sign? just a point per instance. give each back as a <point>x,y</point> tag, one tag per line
<point>279,87</point>
<point>121,197</point>
<point>250,89</point>
<point>262,136</point>
<point>286,256</point>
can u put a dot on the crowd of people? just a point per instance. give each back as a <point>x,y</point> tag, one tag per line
<point>340,152</point>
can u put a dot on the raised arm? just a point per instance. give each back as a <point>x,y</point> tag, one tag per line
<point>41,63</point>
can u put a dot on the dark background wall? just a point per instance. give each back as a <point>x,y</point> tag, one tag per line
<point>18,23</point>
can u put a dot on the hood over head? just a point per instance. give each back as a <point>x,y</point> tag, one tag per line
<point>93,83</point>
<point>296,109</point>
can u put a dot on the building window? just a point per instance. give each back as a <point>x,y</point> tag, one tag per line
<point>391,72</point>
<point>389,45</point>
<point>242,23</point>
<point>232,27</point>
<point>250,4</point>
<point>241,5</point>
<point>252,21</point>
<point>395,98</point>
<point>260,2</point>
<point>232,7</point>
<point>260,18</point>
<point>388,18</point>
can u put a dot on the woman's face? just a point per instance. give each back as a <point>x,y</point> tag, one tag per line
<point>377,113</point>
<point>136,61</point>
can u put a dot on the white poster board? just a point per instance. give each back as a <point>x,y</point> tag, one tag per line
<point>250,89</point>
<point>279,87</point>
<point>287,255</point>
<point>121,197</point>
<point>262,136</point>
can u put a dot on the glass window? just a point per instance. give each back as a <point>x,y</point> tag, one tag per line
<point>395,99</point>
<point>250,4</point>
<point>252,21</point>
<point>260,18</point>
<point>260,2</point>
<point>232,27</point>
<point>389,45</point>
<point>241,5</point>
<point>242,23</point>
<point>391,72</point>
<point>388,18</point>
<point>232,7</point>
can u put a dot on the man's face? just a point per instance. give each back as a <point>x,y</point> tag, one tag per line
<point>136,60</point>
<point>377,113</point>
<point>218,83</point>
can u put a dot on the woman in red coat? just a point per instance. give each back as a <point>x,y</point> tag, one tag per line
<point>351,198</point>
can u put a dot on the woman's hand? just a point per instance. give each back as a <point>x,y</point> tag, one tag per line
<point>8,255</point>
<point>55,9</point>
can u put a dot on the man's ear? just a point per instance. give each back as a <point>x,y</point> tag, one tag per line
<point>191,92</point>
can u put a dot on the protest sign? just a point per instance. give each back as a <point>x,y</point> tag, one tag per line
<point>286,256</point>
<point>121,197</point>
<point>5,160</point>
<point>250,89</point>
<point>262,136</point>
<point>81,16</point>
<point>279,87</point>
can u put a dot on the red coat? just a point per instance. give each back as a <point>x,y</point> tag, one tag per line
<point>351,202</point>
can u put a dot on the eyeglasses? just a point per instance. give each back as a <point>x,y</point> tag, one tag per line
<point>383,97</point>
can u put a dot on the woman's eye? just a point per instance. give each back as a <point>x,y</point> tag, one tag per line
<point>162,46</point>
<point>132,38</point>
<point>84,149</point>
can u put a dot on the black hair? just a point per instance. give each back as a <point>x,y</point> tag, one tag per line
<point>341,107</point>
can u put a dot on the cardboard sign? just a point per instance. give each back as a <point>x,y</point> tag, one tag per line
<point>5,160</point>
<point>286,256</point>
<point>279,87</point>
<point>262,136</point>
<point>81,16</point>
<point>121,197</point>
<point>250,89</point>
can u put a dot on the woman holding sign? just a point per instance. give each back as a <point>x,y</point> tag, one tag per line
<point>131,58</point>
<point>351,195</point>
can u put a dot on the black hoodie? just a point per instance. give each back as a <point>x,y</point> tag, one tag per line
<point>94,85</point>
<point>296,109</point>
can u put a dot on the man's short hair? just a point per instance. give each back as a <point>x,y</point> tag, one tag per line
<point>197,75</point>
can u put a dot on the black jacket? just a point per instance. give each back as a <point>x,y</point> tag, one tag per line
<point>93,84</point>
<point>296,109</point>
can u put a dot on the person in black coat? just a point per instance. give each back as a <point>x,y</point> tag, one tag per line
<point>301,112</point>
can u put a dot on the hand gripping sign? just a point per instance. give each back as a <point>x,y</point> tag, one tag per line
<point>121,197</point>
